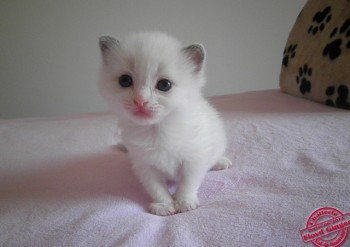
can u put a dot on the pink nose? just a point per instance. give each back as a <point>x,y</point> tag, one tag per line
<point>139,101</point>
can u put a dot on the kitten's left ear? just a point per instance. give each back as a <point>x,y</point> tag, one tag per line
<point>108,47</point>
<point>196,54</point>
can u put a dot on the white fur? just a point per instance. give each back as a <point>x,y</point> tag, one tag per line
<point>184,138</point>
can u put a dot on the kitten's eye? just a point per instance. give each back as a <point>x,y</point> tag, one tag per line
<point>125,81</point>
<point>164,85</point>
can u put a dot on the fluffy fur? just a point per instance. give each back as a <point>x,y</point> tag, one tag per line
<point>170,135</point>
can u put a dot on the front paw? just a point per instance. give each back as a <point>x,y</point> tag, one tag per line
<point>162,209</point>
<point>186,204</point>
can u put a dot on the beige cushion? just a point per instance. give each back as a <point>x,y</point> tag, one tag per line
<point>316,60</point>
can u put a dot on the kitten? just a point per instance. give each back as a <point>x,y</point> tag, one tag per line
<point>170,131</point>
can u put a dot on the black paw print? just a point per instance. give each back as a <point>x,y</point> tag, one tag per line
<point>320,20</point>
<point>334,49</point>
<point>342,99</point>
<point>302,79</point>
<point>289,53</point>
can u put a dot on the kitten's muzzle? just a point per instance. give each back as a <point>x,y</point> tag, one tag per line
<point>141,107</point>
<point>140,102</point>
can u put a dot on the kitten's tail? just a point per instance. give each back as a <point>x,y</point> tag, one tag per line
<point>118,140</point>
<point>120,146</point>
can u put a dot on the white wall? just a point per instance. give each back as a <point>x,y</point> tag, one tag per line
<point>49,56</point>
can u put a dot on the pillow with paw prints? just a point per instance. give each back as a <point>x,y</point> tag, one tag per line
<point>316,59</point>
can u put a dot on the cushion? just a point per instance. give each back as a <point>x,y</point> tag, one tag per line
<point>316,58</point>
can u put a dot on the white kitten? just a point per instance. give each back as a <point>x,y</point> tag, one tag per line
<point>169,129</point>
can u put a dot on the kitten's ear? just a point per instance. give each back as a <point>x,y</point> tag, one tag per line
<point>196,54</point>
<point>108,47</point>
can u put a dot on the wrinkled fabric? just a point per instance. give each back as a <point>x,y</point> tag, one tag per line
<point>64,183</point>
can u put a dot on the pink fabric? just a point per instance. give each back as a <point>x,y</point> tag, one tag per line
<point>63,183</point>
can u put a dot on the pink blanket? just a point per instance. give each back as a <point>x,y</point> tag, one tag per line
<point>63,183</point>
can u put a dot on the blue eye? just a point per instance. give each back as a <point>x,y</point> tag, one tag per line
<point>164,85</point>
<point>125,81</point>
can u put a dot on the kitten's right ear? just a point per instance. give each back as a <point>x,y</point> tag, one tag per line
<point>108,47</point>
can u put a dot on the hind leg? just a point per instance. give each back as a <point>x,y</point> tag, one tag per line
<point>223,163</point>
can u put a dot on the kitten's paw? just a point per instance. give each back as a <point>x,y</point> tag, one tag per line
<point>222,164</point>
<point>184,205</point>
<point>162,209</point>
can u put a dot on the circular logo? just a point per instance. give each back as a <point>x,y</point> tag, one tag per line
<point>326,227</point>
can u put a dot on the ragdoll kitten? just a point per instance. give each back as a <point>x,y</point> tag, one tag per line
<point>169,129</point>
